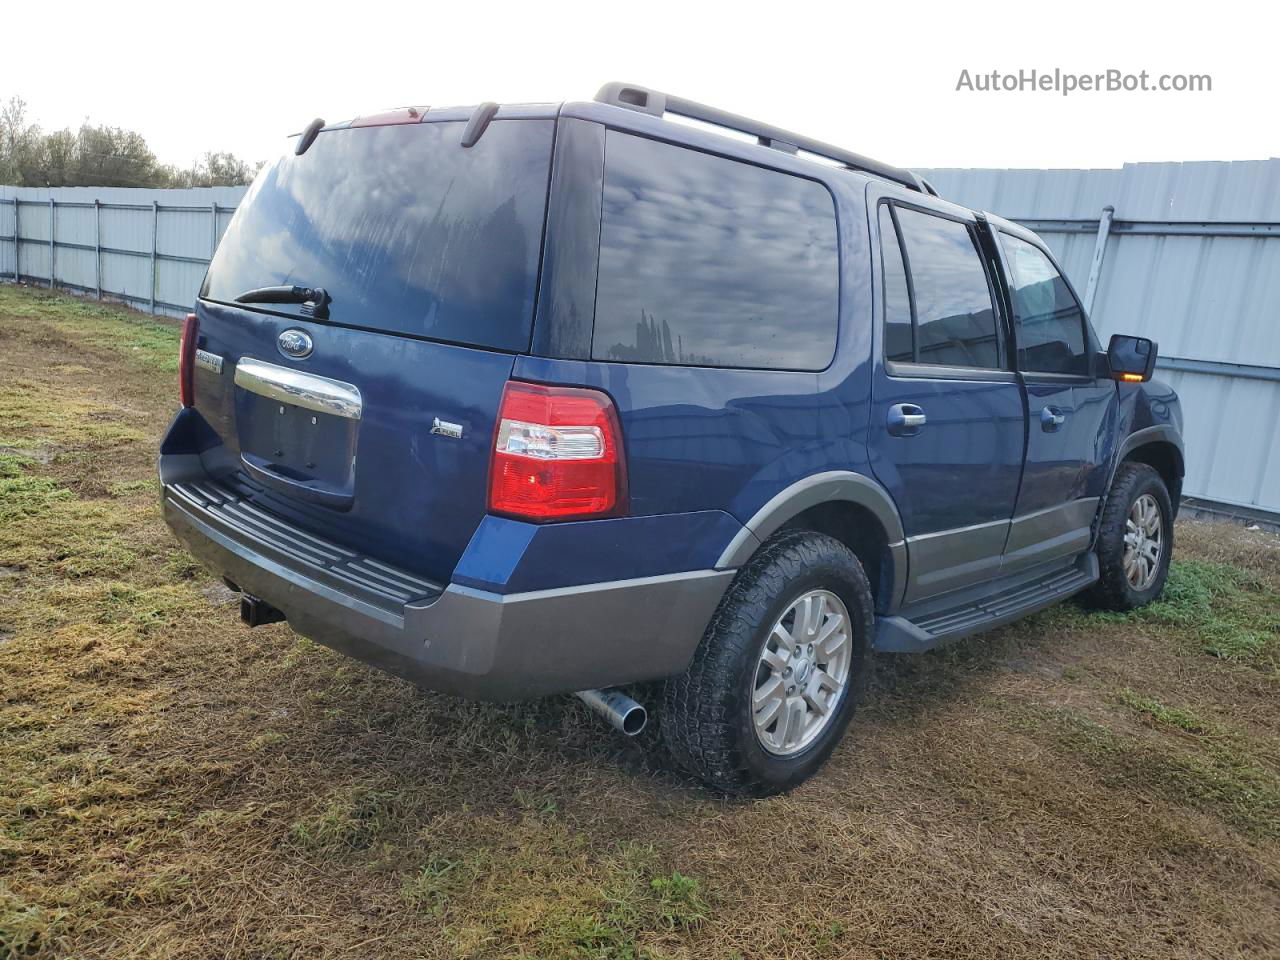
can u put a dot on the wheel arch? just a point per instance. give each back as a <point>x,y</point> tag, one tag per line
<point>1159,447</point>
<point>850,507</point>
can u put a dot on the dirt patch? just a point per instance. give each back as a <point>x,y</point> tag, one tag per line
<point>220,594</point>
<point>42,455</point>
<point>174,784</point>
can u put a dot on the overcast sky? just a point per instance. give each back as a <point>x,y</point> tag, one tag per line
<point>876,78</point>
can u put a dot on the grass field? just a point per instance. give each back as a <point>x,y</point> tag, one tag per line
<point>175,785</point>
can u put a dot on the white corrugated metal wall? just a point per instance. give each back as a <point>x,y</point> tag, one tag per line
<point>149,248</point>
<point>1192,260</point>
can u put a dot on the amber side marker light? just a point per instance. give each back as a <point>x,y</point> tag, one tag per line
<point>1131,377</point>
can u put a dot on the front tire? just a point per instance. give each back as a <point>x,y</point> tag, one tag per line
<point>1135,540</point>
<point>779,672</point>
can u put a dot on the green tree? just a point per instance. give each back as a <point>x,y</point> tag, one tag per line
<point>217,169</point>
<point>19,152</point>
<point>114,157</point>
<point>100,156</point>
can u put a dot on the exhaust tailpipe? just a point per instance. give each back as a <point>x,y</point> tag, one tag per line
<point>623,713</point>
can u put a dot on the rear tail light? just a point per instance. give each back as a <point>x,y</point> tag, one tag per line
<point>187,360</point>
<point>557,455</point>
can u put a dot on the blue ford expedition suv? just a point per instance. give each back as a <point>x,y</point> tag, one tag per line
<point>527,400</point>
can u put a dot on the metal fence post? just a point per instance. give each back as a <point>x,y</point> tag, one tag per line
<point>52,253</point>
<point>213,229</point>
<point>155,240</point>
<point>97,247</point>
<point>1099,251</point>
<point>15,239</point>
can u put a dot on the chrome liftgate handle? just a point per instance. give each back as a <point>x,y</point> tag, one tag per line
<point>305,390</point>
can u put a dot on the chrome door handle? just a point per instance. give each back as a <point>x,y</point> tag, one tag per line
<point>1051,418</point>
<point>906,419</point>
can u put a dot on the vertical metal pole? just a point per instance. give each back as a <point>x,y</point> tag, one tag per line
<point>1099,251</point>
<point>97,247</point>
<point>155,240</point>
<point>52,254</point>
<point>213,229</point>
<point>15,239</point>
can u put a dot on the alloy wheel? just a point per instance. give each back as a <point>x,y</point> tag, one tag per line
<point>1143,542</point>
<point>802,673</point>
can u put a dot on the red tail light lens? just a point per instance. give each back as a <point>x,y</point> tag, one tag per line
<point>187,360</point>
<point>557,455</point>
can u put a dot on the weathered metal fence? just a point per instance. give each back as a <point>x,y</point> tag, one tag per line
<point>148,248</point>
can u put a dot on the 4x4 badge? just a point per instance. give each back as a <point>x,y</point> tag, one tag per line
<point>446,429</point>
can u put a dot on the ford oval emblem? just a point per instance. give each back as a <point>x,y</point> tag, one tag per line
<point>295,343</point>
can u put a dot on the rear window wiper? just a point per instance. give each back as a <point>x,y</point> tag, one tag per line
<point>314,299</point>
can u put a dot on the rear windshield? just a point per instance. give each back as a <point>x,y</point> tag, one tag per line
<point>406,230</point>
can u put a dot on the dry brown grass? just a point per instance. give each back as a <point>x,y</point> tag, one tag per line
<point>173,785</point>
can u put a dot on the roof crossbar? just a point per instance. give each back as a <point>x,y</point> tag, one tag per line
<point>656,104</point>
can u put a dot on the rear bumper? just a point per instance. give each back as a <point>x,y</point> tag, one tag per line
<point>458,639</point>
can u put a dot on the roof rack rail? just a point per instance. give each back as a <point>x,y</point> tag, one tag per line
<point>653,102</point>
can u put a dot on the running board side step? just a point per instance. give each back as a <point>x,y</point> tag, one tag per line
<point>931,627</point>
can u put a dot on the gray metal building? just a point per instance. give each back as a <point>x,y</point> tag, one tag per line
<point>1189,255</point>
<point>1185,253</point>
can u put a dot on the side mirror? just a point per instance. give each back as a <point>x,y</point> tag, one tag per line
<point>1131,359</point>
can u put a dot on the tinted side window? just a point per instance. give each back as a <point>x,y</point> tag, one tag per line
<point>955,320</point>
<point>711,262</point>
<point>898,343</point>
<point>1048,321</point>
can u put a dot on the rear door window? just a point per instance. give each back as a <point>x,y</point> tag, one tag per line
<point>955,321</point>
<point>1049,323</point>
<point>405,229</point>
<point>708,261</point>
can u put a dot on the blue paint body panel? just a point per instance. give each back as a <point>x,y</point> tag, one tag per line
<point>1071,461</point>
<point>965,467</point>
<point>509,556</point>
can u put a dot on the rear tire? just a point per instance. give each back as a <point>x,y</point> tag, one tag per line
<point>1135,540</point>
<point>777,677</point>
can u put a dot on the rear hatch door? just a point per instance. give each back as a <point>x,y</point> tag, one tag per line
<point>364,412</point>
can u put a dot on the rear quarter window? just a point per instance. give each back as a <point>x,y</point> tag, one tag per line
<point>707,261</point>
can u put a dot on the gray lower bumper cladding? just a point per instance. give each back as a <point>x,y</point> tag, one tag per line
<point>469,642</point>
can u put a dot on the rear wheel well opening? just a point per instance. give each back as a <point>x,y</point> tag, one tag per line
<point>858,529</point>
<point>1164,458</point>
